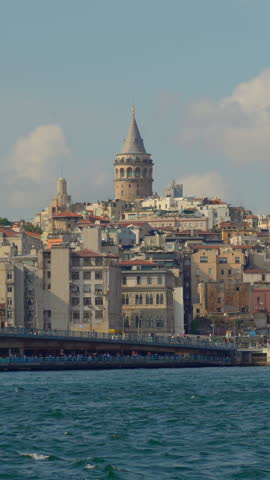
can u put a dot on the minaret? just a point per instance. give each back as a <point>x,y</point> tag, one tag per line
<point>133,167</point>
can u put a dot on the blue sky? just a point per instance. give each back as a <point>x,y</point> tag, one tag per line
<point>197,71</point>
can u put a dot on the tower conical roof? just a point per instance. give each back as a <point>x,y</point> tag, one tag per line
<point>133,142</point>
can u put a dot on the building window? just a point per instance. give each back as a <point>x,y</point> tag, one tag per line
<point>218,309</point>
<point>87,301</point>
<point>218,300</point>
<point>124,280</point>
<point>237,259</point>
<point>87,261</point>
<point>75,275</point>
<point>222,272</point>
<point>263,277</point>
<point>126,322</point>
<point>161,299</point>
<point>147,299</point>
<point>86,315</point>
<point>139,280</point>
<point>9,289</point>
<point>204,259</point>
<point>9,301</point>
<point>75,261</point>
<point>159,280</point>
<point>99,314</point>
<point>210,271</point>
<point>157,298</point>
<point>76,315</point>
<point>129,172</point>
<point>243,309</point>
<point>149,280</point>
<point>9,275</point>
<point>138,299</point>
<point>75,301</point>
<point>98,275</point>
<point>229,272</point>
<point>159,324</point>
<point>98,300</point>
<point>151,299</point>
<point>99,261</point>
<point>86,288</point>
<point>98,289</point>
<point>223,260</point>
<point>138,322</point>
<point>137,172</point>
<point>87,275</point>
<point>48,274</point>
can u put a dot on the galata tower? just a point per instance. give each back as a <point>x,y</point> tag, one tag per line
<point>133,167</point>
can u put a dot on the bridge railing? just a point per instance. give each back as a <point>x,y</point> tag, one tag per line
<point>77,359</point>
<point>184,341</point>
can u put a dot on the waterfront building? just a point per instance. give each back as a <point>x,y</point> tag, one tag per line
<point>81,290</point>
<point>133,167</point>
<point>148,294</point>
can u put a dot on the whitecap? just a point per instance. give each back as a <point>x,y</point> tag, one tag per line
<point>35,456</point>
<point>89,466</point>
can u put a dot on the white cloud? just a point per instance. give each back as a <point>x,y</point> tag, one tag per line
<point>35,155</point>
<point>209,184</point>
<point>237,126</point>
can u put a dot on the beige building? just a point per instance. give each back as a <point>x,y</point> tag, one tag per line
<point>215,264</point>
<point>81,289</point>
<point>148,298</point>
<point>62,289</point>
<point>133,167</point>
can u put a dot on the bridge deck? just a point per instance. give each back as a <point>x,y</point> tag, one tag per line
<point>124,339</point>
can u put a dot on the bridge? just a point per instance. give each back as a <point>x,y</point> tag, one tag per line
<point>23,343</point>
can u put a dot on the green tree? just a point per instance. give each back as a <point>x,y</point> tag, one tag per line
<point>29,227</point>
<point>5,221</point>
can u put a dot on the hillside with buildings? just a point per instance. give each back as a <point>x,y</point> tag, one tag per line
<point>139,263</point>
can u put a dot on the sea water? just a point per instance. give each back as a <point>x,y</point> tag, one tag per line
<point>184,424</point>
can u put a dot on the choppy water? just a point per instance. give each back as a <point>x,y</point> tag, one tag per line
<point>181,424</point>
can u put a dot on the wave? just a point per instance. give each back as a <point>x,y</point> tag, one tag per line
<point>36,456</point>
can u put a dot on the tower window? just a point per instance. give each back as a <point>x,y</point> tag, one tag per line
<point>129,172</point>
<point>122,172</point>
<point>137,172</point>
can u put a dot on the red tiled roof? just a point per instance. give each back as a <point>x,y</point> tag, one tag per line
<point>67,215</point>
<point>208,247</point>
<point>33,234</point>
<point>129,223</point>
<point>8,232</point>
<point>137,262</point>
<point>251,216</point>
<point>255,270</point>
<point>242,246</point>
<point>96,217</point>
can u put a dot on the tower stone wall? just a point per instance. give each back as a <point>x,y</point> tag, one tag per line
<point>133,167</point>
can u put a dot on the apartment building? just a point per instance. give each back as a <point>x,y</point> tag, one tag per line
<point>215,264</point>
<point>81,290</point>
<point>148,299</point>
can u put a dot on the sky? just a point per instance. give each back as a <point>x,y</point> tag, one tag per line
<point>197,71</point>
